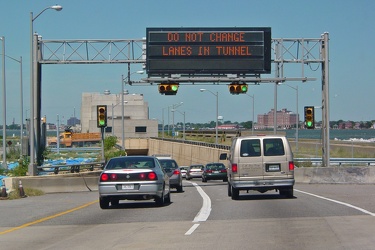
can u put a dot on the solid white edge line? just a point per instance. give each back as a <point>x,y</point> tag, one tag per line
<point>205,210</point>
<point>338,202</point>
<point>192,229</point>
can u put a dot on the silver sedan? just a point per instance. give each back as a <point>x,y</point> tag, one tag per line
<point>133,178</point>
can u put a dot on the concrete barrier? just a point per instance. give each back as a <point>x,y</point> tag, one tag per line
<point>335,175</point>
<point>62,183</point>
<point>80,182</point>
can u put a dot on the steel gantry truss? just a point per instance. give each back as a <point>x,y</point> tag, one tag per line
<point>302,51</point>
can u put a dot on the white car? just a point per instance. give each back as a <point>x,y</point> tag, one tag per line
<point>183,171</point>
<point>133,178</point>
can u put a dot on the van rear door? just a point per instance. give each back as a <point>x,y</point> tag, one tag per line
<point>250,160</point>
<point>276,164</point>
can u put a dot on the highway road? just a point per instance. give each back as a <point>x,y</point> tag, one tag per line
<point>202,217</point>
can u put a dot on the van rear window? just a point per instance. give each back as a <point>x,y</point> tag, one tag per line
<point>273,147</point>
<point>250,148</point>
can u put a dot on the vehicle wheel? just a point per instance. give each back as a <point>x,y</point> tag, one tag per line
<point>104,202</point>
<point>160,200</point>
<point>235,193</point>
<point>180,189</point>
<point>168,198</point>
<point>229,190</point>
<point>289,193</point>
<point>115,202</point>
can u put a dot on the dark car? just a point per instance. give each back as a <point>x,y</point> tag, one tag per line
<point>173,170</point>
<point>194,171</point>
<point>214,171</point>
<point>133,178</point>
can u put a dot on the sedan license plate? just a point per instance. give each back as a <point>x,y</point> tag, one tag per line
<point>127,186</point>
<point>273,168</point>
<point>216,172</point>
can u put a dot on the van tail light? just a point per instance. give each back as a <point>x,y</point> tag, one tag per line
<point>234,168</point>
<point>291,166</point>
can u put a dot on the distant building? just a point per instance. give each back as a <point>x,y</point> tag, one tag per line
<point>285,119</point>
<point>72,121</point>
<point>136,117</point>
<point>228,126</point>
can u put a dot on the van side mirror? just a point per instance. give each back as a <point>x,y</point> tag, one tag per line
<point>223,156</point>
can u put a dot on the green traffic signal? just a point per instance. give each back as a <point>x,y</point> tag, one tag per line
<point>309,117</point>
<point>101,116</point>
<point>236,88</point>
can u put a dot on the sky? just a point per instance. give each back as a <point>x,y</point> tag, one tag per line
<point>350,25</point>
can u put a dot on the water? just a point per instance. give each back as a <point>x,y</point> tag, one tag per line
<point>334,134</point>
<point>340,134</point>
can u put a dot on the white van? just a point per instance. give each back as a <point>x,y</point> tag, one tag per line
<point>261,163</point>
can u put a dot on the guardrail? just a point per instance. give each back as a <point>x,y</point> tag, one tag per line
<point>73,168</point>
<point>339,161</point>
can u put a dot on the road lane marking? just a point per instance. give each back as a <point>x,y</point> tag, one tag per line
<point>48,218</point>
<point>338,202</point>
<point>192,229</point>
<point>205,210</point>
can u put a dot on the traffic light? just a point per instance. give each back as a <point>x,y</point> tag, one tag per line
<point>236,88</point>
<point>309,117</point>
<point>168,88</point>
<point>101,111</point>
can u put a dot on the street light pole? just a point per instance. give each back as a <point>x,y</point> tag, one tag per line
<point>183,128</point>
<point>217,112</point>
<point>32,167</point>
<point>122,101</point>
<point>5,165</point>
<point>174,107</point>
<point>252,125</point>
<point>21,97</point>
<point>297,114</point>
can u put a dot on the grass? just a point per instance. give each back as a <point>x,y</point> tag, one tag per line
<point>15,194</point>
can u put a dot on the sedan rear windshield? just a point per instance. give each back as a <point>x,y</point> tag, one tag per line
<point>130,163</point>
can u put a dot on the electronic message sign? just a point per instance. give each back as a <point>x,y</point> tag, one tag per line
<point>206,51</point>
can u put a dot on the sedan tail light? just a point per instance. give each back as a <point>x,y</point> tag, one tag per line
<point>148,176</point>
<point>152,176</point>
<point>176,172</point>
<point>223,171</point>
<point>108,177</point>
<point>208,171</point>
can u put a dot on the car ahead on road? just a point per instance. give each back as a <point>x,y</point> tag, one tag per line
<point>261,163</point>
<point>183,171</point>
<point>214,171</point>
<point>173,170</point>
<point>133,178</point>
<point>194,171</point>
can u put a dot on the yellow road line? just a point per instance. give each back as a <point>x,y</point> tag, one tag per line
<point>47,218</point>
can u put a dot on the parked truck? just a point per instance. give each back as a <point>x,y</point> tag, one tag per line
<point>68,138</point>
